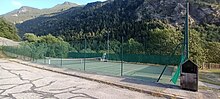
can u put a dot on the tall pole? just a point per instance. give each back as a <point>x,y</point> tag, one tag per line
<point>62,55</point>
<point>187,30</point>
<point>122,54</point>
<point>84,67</point>
<point>45,57</point>
<point>108,46</point>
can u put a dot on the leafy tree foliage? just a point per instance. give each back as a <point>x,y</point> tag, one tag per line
<point>49,45</point>
<point>213,50</point>
<point>133,47</point>
<point>7,30</point>
<point>163,41</point>
<point>30,37</point>
<point>88,29</point>
<point>209,32</point>
<point>196,51</point>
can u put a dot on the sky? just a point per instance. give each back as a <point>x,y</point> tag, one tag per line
<point>10,5</point>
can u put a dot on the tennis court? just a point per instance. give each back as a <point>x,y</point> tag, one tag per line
<point>146,72</point>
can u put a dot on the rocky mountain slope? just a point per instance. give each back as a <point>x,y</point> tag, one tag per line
<point>122,16</point>
<point>26,13</point>
<point>174,11</point>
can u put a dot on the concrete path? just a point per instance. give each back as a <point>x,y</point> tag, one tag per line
<point>107,84</point>
<point>24,82</point>
<point>209,85</point>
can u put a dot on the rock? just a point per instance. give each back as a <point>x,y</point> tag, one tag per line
<point>174,11</point>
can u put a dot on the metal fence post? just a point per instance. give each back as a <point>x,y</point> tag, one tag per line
<point>62,56</point>
<point>45,53</point>
<point>84,68</point>
<point>122,41</point>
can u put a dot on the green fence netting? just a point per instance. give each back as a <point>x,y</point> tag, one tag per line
<point>110,57</point>
<point>138,58</point>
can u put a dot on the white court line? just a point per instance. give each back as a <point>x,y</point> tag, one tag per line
<point>134,70</point>
<point>102,67</point>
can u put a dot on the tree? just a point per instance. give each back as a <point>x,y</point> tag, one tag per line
<point>49,45</point>
<point>30,37</point>
<point>8,30</point>
<point>210,32</point>
<point>213,50</point>
<point>50,39</point>
<point>133,47</point>
<point>196,50</point>
<point>115,46</point>
<point>163,41</point>
<point>57,47</point>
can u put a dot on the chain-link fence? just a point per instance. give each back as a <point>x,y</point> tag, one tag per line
<point>108,56</point>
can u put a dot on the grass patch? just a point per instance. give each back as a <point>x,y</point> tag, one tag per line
<point>210,76</point>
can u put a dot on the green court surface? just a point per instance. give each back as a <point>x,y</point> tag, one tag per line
<point>146,72</point>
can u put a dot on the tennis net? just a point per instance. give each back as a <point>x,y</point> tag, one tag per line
<point>63,61</point>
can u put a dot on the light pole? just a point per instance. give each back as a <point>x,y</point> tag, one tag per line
<point>122,54</point>
<point>108,45</point>
<point>186,45</point>
<point>84,67</point>
<point>187,30</point>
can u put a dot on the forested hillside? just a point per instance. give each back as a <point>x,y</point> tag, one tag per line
<point>148,26</point>
<point>129,16</point>
<point>8,30</point>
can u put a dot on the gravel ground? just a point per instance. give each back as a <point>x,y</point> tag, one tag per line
<point>22,82</point>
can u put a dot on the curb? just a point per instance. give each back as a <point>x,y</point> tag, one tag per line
<point>153,93</point>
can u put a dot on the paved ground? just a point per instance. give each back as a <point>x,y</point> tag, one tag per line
<point>209,85</point>
<point>43,84</point>
<point>23,82</point>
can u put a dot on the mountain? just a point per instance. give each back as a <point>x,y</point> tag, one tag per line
<point>128,17</point>
<point>22,14</point>
<point>26,13</point>
<point>153,27</point>
<point>64,6</point>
